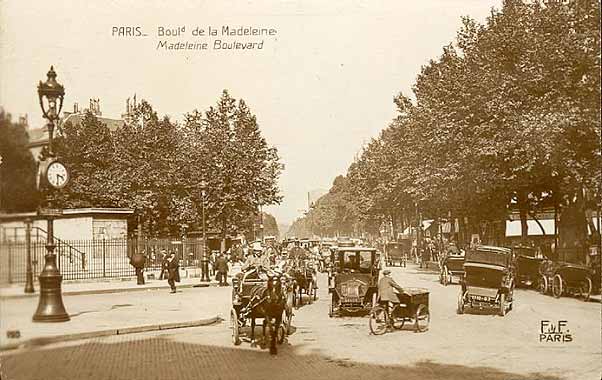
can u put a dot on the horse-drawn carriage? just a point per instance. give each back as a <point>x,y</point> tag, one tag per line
<point>565,278</point>
<point>488,280</point>
<point>451,265</point>
<point>354,281</point>
<point>396,252</point>
<point>264,295</point>
<point>304,274</point>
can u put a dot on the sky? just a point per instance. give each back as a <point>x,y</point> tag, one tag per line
<point>321,87</point>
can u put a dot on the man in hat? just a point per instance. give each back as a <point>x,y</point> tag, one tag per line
<point>173,272</point>
<point>221,267</point>
<point>388,290</point>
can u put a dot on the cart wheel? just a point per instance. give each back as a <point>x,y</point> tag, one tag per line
<point>378,320</point>
<point>460,309</point>
<point>542,287</point>
<point>502,311</point>
<point>586,289</point>
<point>557,286</point>
<point>289,322</point>
<point>423,318</point>
<point>234,325</point>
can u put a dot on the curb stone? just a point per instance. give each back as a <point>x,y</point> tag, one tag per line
<point>42,341</point>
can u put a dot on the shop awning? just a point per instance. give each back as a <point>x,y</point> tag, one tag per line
<point>513,227</point>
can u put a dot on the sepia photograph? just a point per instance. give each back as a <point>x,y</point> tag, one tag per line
<point>296,190</point>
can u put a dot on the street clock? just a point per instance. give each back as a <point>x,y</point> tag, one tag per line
<point>57,174</point>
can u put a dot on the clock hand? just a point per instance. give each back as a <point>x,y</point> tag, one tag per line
<point>59,176</point>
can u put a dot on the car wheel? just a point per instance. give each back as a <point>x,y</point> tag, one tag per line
<point>460,309</point>
<point>542,287</point>
<point>557,286</point>
<point>502,311</point>
<point>586,289</point>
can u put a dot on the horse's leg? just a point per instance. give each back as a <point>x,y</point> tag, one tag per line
<point>253,344</point>
<point>273,331</point>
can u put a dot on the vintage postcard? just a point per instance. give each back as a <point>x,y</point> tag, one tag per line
<point>264,189</point>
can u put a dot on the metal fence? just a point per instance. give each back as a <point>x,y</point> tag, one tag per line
<point>92,259</point>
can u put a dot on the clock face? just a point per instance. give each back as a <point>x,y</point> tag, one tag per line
<point>57,174</point>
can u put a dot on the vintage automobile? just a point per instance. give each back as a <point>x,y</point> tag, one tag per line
<point>396,253</point>
<point>488,280</point>
<point>451,265</point>
<point>527,266</point>
<point>354,281</point>
<point>413,308</point>
<point>565,278</point>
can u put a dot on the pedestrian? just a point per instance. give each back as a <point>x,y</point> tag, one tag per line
<point>138,260</point>
<point>221,267</point>
<point>173,272</point>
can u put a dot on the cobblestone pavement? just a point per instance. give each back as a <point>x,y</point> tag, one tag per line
<point>472,346</point>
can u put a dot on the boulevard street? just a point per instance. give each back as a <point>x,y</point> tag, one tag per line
<point>477,345</point>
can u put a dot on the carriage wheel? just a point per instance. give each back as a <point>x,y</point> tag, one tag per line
<point>378,320</point>
<point>423,318</point>
<point>586,289</point>
<point>543,285</point>
<point>460,309</point>
<point>235,329</point>
<point>557,286</point>
<point>502,311</point>
<point>288,322</point>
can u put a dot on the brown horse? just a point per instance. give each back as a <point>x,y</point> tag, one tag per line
<point>268,302</point>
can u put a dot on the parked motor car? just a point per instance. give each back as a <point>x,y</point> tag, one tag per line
<point>488,280</point>
<point>528,262</point>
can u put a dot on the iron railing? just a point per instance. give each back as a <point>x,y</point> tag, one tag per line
<point>92,259</point>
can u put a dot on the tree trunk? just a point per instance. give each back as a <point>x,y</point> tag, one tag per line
<point>224,233</point>
<point>523,209</point>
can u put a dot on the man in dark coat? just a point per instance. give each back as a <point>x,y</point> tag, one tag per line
<point>173,273</point>
<point>137,261</point>
<point>221,267</point>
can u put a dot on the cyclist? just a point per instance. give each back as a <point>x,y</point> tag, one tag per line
<point>389,291</point>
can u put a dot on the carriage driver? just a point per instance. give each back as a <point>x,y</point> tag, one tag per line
<point>388,290</point>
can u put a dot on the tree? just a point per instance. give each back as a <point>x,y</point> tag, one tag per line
<point>17,167</point>
<point>87,149</point>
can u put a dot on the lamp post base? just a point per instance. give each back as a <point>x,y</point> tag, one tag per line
<point>50,306</point>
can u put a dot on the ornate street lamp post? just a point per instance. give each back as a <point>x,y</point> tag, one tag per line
<point>204,257</point>
<point>53,174</point>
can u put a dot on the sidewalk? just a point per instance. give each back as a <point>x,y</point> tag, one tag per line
<point>94,315</point>
<point>190,278</point>
<point>111,308</point>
